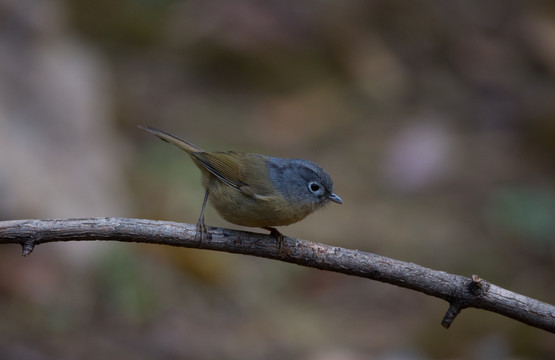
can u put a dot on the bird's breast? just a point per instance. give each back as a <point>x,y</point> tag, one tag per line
<point>254,211</point>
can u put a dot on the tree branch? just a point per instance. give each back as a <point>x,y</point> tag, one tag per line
<point>459,291</point>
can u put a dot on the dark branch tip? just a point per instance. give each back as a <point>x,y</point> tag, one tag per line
<point>28,247</point>
<point>454,310</point>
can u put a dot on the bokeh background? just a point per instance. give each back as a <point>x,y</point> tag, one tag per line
<point>436,120</point>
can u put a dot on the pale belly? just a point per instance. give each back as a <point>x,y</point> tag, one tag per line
<point>240,209</point>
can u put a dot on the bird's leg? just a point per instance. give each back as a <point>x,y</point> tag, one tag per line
<point>201,228</point>
<point>279,236</point>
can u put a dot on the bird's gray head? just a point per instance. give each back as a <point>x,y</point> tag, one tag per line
<point>302,182</point>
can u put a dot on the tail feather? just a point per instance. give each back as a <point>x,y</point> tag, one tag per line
<point>180,143</point>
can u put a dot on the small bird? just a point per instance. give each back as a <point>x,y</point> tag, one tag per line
<point>257,190</point>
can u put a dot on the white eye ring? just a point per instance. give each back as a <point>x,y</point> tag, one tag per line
<point>314,187</point>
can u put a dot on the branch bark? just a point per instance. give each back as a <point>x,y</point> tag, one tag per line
<point>459,291</point>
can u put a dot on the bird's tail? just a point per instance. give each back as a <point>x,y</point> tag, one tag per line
<point>180,143</point>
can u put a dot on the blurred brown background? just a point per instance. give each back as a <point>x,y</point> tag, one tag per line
<point>436,120</point>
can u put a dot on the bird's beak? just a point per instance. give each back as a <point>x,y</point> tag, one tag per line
<point>335,198</point>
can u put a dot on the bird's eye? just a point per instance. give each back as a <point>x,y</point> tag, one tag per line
<point>314,187</point>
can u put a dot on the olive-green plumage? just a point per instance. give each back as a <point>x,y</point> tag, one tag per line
<point>257,190</point>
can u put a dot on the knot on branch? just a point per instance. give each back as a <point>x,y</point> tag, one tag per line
<point>478,286</point>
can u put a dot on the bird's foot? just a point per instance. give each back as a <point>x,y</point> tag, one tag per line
<point>201,232</point>
<point>279,236</point>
